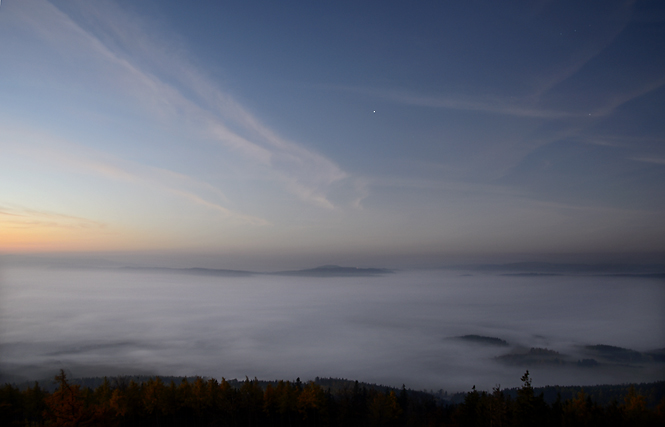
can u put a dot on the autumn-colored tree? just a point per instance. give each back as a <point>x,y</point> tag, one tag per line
<point>288,398</point>
<point>184,401</point>
<point>159,401</point>
<point>635,408</point>
<point>271,402</point>
<point>204,394</point>
<point>578,411</point>
<point>152,392</point>
<point>99,401</point>
<point>312,403</point>
<point>209,403</point>
<point>384,409</point>
<point>127,402</point>
<point>66,406</point>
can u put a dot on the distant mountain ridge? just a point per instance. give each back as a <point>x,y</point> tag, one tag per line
<point>322,271</point>
<point>336,271</point>
<point>481,339</point>
<point>548,268</point>
<point>517,269</point>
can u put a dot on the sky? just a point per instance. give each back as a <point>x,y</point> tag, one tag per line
<point>245,134</point>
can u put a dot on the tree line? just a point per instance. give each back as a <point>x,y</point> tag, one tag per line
<point>200,402</point>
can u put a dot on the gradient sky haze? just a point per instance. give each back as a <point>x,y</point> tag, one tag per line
<point>328,132</point>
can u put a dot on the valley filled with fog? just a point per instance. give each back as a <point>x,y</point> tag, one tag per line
<point>393,329</point>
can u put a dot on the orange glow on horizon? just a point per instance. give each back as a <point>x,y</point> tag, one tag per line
<point>28,233</point>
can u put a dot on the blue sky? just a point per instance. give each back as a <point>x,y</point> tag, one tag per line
<point>344,132</point>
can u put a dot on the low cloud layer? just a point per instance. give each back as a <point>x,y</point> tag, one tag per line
<point>390,329</point>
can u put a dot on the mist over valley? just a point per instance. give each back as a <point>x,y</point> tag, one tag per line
<point>429,329</point>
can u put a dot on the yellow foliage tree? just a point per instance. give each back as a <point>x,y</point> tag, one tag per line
<point>66,406</point>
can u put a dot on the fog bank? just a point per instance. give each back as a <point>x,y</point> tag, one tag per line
<point>393,329</point>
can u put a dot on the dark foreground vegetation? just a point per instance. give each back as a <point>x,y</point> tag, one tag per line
<point>327,402</point>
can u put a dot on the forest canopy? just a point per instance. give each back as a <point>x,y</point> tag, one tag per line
<point>124,401</point>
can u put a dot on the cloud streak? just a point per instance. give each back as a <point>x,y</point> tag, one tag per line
<point>21,217</point>
<point>498,105</point>
<point>654,160</point>
<point>176,90</point>
<point>527,106</point>
<point>589,50</point>
<point>73,157</point>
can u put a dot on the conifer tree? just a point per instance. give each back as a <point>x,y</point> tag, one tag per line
<point>66,406</point>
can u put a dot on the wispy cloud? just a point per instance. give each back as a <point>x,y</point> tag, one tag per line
<point>22,217</point>
<point>586,51</point>
<point>167,84</point>
<point>525,106</point>
<point>75,157</point>
<point>622,98</point>
<point>538,85</point>
<point>522,107</point>
<point>654,160</point>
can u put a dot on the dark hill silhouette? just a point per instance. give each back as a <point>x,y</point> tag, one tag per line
<point>336,271</point>
<point>322,271</point>
<point>546,268</point>
<point>483,340</point>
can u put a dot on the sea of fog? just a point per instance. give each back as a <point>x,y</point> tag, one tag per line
<point>393,329</point>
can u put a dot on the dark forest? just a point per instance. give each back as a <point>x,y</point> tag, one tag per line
<point>127,401</point>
